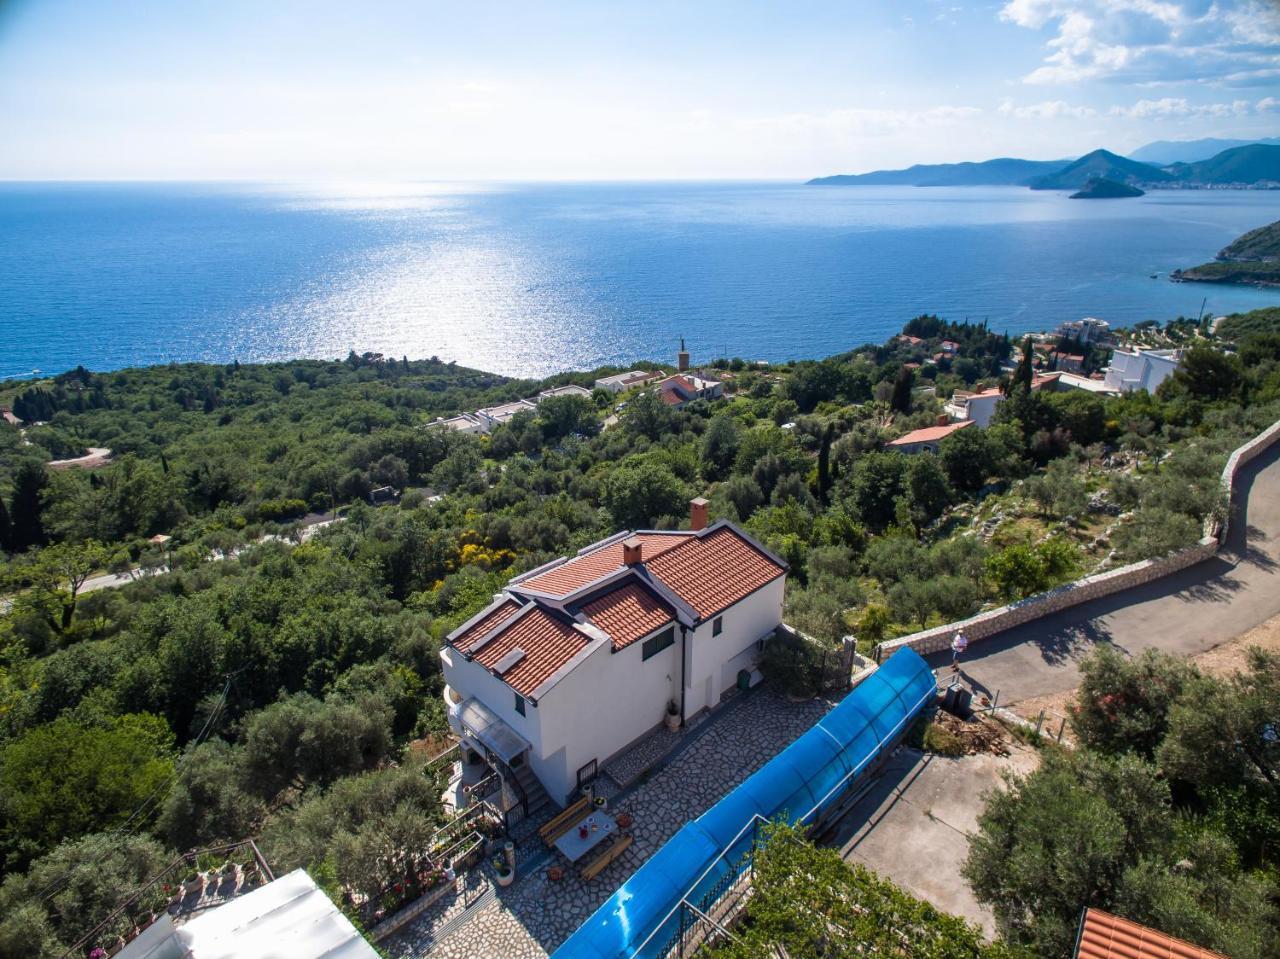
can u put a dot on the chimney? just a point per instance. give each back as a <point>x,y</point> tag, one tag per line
<point>697,514</point>
<point>632,551</point>
<point>943,419</point>
<point>682,358</point>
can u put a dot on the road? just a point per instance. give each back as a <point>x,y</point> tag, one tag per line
<point>1183,614</point>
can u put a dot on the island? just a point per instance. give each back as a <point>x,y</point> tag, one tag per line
<point>1253,259</point>
<point>1102,188</point>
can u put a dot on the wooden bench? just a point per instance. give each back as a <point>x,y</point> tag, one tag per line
<point>554,828</point>
<point>596,866</point>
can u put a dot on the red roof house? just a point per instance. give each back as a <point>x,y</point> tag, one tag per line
<point>1104,936</point>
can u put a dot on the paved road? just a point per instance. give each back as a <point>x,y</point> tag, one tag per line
<point>1184,614</point>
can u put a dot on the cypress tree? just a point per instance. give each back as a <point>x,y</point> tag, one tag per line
<point>6,533</point>
<point>824,464</point>
<point>901,401</point>
<point>26,507</point>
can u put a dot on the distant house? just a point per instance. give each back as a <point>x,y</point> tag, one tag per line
<point>977,407</point>
<point>1087,330</point>
<point>910,340</point>
<point>621,382</point>
<point>570,390</point>
<point>8,416</point>
<point>1104,936</point>
<point>576,660</point>
<point>684,388</point>
<point>1069,362</point>
<point>1141,369</point>
<point>495,416</point>
<point>462,423</point>
<point>927,439</point>
<point>950,347</point>
<point>384,496</point>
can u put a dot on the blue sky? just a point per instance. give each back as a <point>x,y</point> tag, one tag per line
<point>605,90</point>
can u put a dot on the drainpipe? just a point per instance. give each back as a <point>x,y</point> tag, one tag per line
<point>684,666</point>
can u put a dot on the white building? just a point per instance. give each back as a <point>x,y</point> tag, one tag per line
<point>462,423</point>
<point>494,416</point>
<point>684,388</point>
<point>570,390</point>
<point>1141,369</point>
<point>1087,330</point>
<point>621,382</point>
<point>577,660</point>
<point>979,407</point>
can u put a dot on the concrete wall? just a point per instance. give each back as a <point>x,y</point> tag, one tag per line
<point>985,625</point>
<point>714,661</point>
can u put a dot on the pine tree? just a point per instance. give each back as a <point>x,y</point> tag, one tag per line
<point>901,400</point>
<point>824,463</point>
<point>26,506</point>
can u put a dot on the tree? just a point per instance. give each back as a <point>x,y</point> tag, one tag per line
<point>6,529</point>
<point>1207,374</point>
<point>719,447</point>
<point>802,894</point>
<point>876,484</point>
<point>742,493</point>
<point>1059,490</point>
<point>1024,375</point>
<point>824,463</point>
<point>647,415</point>
<point>639,492</point>
<point>26,506</point>
<point>209,803</point>
<point>51,578</point>
<point>926,489</point>
<point>66,778</point>
<point>1123,704</point>
<point>562,416</point>
<point>1019,571</point>
<point>966,457</point>
<point>900,401</point>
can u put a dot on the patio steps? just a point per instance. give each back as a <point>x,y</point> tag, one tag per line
<point>533,790</point>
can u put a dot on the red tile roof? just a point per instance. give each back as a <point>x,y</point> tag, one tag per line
<point>628,614</point>
<point>578,572</point>
<point>714,571</point>
<point>930,433</point>
<point>1104,936</point>
<point>548,642</point>
<point>502,613</point>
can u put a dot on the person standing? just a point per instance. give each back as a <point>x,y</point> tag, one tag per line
<point>958,645</point>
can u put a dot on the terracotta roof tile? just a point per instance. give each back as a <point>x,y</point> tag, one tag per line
<point>548,643</point>
<point>628,614</point>
<point>1104,936</point>
<point>464,641</point>
<point>577,572</point>
<point>714,571</point>
<point>930,433</point>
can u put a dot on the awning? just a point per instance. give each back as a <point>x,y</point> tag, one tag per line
<point>479,722</point>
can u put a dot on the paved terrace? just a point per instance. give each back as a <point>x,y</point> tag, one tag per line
<point>533,916</point>
<point>1183,614</point>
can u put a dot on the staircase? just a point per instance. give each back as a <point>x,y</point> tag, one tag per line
<point>535,796</point>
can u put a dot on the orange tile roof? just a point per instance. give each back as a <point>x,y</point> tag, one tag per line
<point>577,572</point>
<point>930,433</point>
<point>628,614</point>
<point>548,642</point>
<point>1104,936</point>
<point>714,571</point>
<point>464,641</point>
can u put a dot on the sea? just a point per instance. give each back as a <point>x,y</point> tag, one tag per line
<point>531,279</point>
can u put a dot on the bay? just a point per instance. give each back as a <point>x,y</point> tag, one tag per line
<point>529,279</point>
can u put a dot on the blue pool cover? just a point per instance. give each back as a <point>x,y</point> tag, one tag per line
<point>641,918</point>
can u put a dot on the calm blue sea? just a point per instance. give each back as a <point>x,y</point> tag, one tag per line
<point>531,279</point>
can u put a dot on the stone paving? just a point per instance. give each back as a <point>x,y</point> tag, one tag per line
<point>408,940</point>
<point>534,915</point>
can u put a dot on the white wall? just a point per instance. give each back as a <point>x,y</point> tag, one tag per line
<point>606,703</point>
<point>468,678</point>
<point>744,624</point>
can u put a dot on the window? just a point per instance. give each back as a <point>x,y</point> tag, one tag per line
<point>587,773</point>
<point>717,626</point>
<point>656,644</point>
<point>519,704</point>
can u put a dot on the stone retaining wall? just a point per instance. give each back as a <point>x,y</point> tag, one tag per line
<point>988,624</point>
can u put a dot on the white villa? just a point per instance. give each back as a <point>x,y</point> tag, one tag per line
<point>1090,329</point>
<point>1141,369</point>
<point>621,382</point>
<point>978,407</point>
<point>570,390</point>
<point>577,660</point>
<point>684,388</point>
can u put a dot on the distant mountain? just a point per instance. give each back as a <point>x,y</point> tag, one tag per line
<point>1100,164</point>
<point>1253,258</point>
<point>1100,188</point>
<point>1006,171</point>
<point>1251,164</point>
<point>1167,152</point>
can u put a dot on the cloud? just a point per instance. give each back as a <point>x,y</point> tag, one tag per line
<point>1153,41</point>
<point>1048,110</point>
<point>1181,108</point>
<point>859,122</point>
<point>1268,104</point>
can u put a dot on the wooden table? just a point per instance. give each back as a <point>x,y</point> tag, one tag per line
<point>600,826</point>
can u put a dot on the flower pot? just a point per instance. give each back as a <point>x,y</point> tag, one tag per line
<point>601,803</point>
<point>555,874</point>
<point>673,721</point>
<point>506,878</point>
<point>624,820</point>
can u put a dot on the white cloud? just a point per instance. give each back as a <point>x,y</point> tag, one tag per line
<point>861,122</point>
<point>1181,108</point>
<point>1268,104</point>
<point>1048,110</point>
<point>1153,41</point>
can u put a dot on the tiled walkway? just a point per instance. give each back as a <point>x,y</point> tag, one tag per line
<point>534,915</point>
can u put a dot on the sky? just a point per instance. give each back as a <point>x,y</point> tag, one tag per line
<point>601,89</point>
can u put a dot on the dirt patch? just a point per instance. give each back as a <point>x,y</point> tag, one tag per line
<point>97,456</point>
<point>952,736</point>
<point>1232,656</point>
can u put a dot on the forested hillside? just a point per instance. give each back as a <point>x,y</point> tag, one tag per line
<point>285,689</point>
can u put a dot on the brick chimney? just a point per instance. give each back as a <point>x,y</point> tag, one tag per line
<point>632,551</point>
<point>943,419</point>
<point>697,514</point>
<point>682,358</point>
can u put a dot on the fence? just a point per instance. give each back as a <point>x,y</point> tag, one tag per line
<point>987,624</point>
